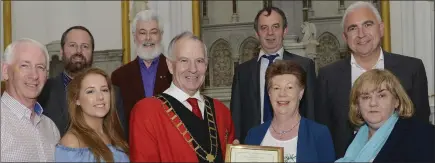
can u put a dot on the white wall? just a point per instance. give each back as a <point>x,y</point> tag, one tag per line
<point>247,10</point>
<point>412,34</point>
<point>176,17</point>
<point>220,12</point>
<point>325,8</point>
<point>45,21</point>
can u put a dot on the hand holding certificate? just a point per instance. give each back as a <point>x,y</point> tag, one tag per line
<point>253,153</point>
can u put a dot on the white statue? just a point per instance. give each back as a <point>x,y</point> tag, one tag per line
<point>309,31</point>
<point>309,40</point>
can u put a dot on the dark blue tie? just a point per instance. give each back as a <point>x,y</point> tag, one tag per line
<point>267,111</point>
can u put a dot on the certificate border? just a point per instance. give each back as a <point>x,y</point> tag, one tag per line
<point>280,150</point>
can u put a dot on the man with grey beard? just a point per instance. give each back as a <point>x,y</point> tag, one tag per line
<point>77,48</point>
<point>148,74</point>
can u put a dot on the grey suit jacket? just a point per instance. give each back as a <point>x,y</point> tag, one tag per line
<point>245,93</point>
<point>334,85</point>
<point>53,101</point>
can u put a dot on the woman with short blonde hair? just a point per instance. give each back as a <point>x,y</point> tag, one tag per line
<point>382,111</point>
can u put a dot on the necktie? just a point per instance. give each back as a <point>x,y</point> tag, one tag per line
<point>195,108</point>
<point>267,107</point>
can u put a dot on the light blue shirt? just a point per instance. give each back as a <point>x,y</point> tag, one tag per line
<point>67,154</point>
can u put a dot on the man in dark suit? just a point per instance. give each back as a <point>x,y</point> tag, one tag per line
<point>250,104</point>
<point>148,74</point>
<point>77,47</point>
<point>363,29</point>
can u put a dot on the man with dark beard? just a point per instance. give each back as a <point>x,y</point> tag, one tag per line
<point>148,74</point>
<point>77,48</point>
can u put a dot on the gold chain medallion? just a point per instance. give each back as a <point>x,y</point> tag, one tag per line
<point>211,123</point>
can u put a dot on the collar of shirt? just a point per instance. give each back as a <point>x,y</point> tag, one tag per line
<point>66,79</point>
<point>19,109</point>
<point>181,96</point>
<point>153,63</point>
<point>377,65</point>
<point>280,52</point>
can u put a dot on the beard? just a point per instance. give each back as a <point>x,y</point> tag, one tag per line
<point>74,67</point>
<point>145,54</point>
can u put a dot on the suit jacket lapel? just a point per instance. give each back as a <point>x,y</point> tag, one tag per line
<point>137,79</point>
<point>346,83</point>
<point>62,97</point>
<point>161,75</point>
<point>389,61</point>
<point>256,112</point>
<point>287,56</point>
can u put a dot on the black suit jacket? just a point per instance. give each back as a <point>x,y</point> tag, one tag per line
<point>410,141</point>
<point>53,100</point>
<point>334,85</point>
<point>245,93</point>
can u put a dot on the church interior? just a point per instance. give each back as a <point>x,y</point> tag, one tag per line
<point>226,27</point>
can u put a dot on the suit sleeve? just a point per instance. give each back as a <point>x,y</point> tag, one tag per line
<point>323,110</point>
<point>235,104</point>
<point>310,91</point>
<point>325,147</point>
<point>114,78</point>
<point>143,141</point>
<point>419,94</point>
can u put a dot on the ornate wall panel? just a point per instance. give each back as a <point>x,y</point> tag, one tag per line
<point>220,64</point>
<point>249,49</point>
<point>328,49</point>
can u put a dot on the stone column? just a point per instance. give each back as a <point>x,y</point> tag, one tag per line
<point>205,19</point>
<point>235,16</point>
<point>341,7</point>
<point>310,8</point>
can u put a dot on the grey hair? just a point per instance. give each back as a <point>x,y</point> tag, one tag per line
<point>185,34</point>
<point>358,5</point>
<point>146,15</point>
<point>10,51</point>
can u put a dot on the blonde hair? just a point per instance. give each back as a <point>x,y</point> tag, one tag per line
<point>373,80</point>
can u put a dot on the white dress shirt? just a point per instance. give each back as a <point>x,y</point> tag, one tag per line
<point>263,67</point>
<point>182,97</point>
<point>357,70</point>
<point>23,139</point>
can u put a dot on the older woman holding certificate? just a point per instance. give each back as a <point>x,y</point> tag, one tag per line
<point>303,140</point>
<point>382,110</point>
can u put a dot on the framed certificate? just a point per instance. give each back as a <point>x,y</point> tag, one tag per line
<point>253,153</point>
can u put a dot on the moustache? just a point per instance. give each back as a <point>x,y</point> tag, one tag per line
<point>78,55</point>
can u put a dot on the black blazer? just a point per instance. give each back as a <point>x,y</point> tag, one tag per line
<point>334,85</point>
<point>53,101</point>
<point>245,93</point>
<point>410,141</point>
